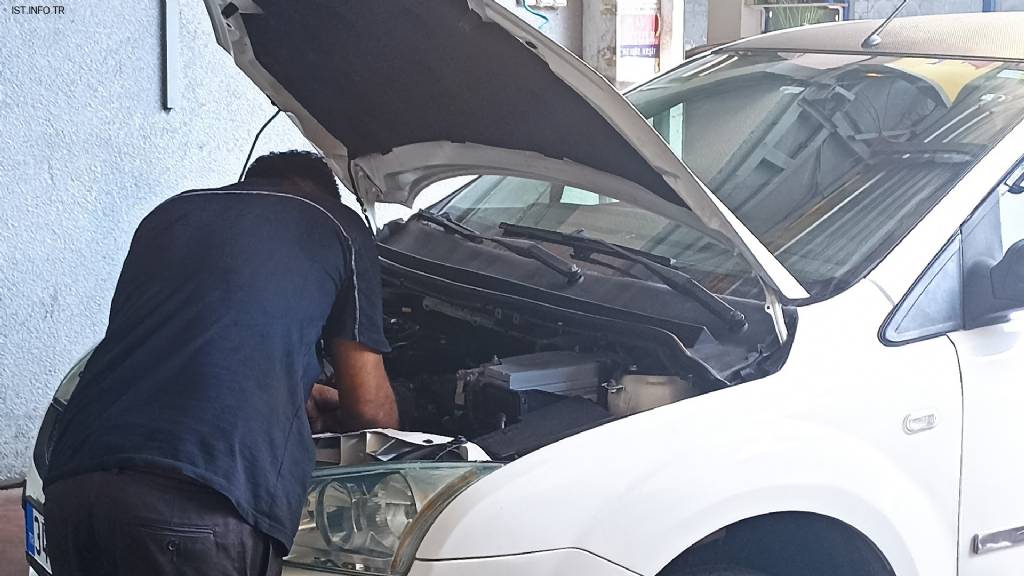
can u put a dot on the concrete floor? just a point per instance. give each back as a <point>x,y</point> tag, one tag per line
<point>12,534</point>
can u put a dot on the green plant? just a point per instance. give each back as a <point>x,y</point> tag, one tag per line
<point>790,15</point>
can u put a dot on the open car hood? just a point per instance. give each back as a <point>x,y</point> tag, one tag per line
<point>400,94</point>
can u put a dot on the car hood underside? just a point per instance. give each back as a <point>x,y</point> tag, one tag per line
<point>382,75</point>
<point>400,94</point>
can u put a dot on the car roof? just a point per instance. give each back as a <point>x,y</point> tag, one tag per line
<point>983,36</point>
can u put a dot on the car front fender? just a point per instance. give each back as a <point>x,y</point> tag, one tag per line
<point>823,436</point>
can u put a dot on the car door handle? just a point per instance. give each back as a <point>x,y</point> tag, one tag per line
<point>985,543</point>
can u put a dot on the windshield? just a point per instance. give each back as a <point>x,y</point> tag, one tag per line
<point>828,159</point>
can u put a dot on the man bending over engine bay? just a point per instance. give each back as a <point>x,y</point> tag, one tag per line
<point>186,448</point>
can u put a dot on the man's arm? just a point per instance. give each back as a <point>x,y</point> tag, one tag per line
<point>366,398</point>
<point>363,399</point>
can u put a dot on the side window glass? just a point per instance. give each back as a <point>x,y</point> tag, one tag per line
<point>956,291</point>
<point>997,225</point>
<point>933,306</point>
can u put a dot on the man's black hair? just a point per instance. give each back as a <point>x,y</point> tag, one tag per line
<point>298,165</point>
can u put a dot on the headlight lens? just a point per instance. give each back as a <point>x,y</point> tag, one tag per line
<point>371,520</point>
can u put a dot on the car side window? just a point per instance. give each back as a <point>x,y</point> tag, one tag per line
<point>995,226</point>
<point>955,291</point>
<point>934,305</point>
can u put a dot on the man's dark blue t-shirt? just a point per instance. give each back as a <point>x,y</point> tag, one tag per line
<point>209,354</point>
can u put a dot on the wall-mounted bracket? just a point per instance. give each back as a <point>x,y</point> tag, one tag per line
<point>172,62</point>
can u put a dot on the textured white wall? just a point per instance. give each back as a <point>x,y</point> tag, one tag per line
<point>85,151</point>
<point>696,22</point>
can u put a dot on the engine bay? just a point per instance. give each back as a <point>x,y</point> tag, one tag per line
<point>510,382</point>
<point>460,375</point>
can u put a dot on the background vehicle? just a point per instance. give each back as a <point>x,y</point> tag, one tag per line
<point>834,323</point>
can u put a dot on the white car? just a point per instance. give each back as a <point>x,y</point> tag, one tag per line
<point>793,355</point>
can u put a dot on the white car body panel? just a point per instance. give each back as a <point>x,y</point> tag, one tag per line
<point>824,435</point>
<point>992,431</point>
<point>991,360</point>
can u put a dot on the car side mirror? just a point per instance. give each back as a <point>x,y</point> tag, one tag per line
<point>1008,276</point>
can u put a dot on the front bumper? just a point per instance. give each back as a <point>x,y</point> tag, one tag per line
<point>548,563</point>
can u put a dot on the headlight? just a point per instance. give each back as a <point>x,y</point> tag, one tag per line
<point>371,520</point>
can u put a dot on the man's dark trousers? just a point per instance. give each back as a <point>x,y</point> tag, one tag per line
<point>135,523</point>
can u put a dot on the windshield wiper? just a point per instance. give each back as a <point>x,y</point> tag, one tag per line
<point>659,266</point>
<point>525,249</point>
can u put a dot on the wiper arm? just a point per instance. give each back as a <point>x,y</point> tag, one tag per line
<point>585,245</point>
<point>522,248</point>
<point>659,266</point>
